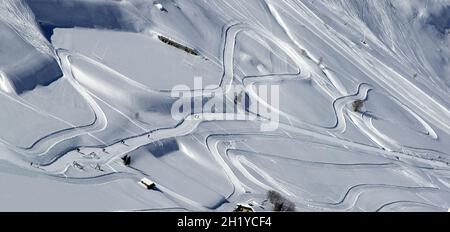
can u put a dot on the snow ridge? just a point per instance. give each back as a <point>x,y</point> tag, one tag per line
<point>19,16</point>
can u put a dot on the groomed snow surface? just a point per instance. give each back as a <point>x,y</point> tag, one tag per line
<point>85,97</point>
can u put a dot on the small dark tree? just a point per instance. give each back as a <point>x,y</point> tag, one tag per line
<point>126,160</point>
<point>357,105</point>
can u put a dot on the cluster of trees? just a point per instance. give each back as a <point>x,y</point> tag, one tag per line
<point>178,45</point>
<point>280,203</point>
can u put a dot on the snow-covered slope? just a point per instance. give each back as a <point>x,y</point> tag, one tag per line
<point>26,59</point>
<point>362,119</point>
